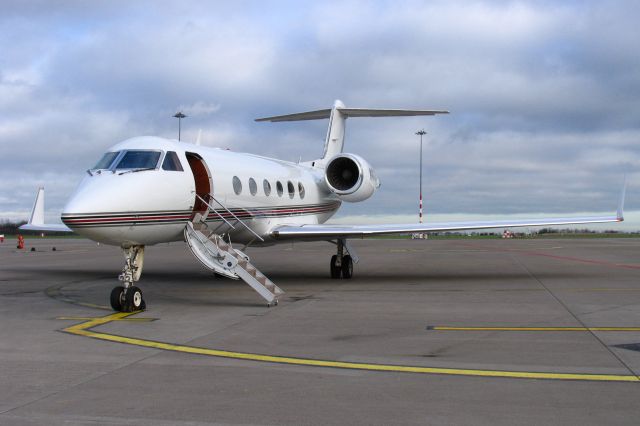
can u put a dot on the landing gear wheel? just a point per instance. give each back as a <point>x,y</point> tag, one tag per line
<point>347,267</point>
<point>133,299</point>
<point>335,270</point>
<point>117,298</point>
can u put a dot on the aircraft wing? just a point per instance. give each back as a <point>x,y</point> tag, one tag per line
<point>324,232</point>
<point>36,220</point>
<point>46,227</point>
<point>327,232</point>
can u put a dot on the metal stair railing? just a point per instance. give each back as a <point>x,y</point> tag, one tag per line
<point>215,211</point>
<point>230,212</point>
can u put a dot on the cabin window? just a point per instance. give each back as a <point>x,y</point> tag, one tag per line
<point>291,189</point>
<point>253,188</point>
<point>267,187</point>
<point>237,185</point>
<point>301,190</point>
<point>105,161</point>
<point>139,160</point>
<point>279,188</point>
<point>172,162</point>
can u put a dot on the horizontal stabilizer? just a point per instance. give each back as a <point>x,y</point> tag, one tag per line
<point>352,112</point>
<point>300,116</point>
<point>366,112</point>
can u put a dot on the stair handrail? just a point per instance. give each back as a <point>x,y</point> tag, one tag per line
<point>215,211</point>
<point>234,216</point>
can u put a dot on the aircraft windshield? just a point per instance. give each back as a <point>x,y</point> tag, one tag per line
<point>105,161</point>
<point>139,160</point>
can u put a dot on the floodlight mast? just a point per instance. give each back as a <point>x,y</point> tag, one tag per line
<point>179,115</point>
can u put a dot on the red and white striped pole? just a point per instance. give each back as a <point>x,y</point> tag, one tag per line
<point>421,133</point>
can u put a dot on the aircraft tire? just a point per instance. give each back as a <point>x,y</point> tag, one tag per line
<point>335,270</point>
<point>133,299</point>
<point>347,267</point>
<point>116,298</point>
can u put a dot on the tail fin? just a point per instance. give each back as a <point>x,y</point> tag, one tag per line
<point>335,133</point>
<point>337,119</point>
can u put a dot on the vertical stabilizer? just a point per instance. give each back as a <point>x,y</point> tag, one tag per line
<point>37,213</point>
<point>335,134</point>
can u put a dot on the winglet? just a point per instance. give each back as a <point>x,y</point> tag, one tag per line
<point>620,212</point>
<point>36,220</point>
<point>37,213</point>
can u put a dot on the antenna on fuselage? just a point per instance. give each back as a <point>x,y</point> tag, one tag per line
<point>179,115</point>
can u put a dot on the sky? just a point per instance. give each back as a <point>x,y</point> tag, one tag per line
<point>544,95</point>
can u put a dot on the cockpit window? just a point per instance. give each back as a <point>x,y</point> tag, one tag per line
<point>105,161</point>
<point>139,160</point>
<point>171,162</point>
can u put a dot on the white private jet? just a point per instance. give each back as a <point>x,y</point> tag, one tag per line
<point>149,190</point>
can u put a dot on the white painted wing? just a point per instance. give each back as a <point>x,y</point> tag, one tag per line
<point>323,232</point>
<point>46,227</point>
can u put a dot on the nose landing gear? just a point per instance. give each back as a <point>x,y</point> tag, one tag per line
<point>341,265</point>
<point>127,297</point>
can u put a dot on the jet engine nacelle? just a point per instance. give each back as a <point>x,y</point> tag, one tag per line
<point>350,177</point>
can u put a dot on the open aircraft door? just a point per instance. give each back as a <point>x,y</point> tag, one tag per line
<point>203,184</point>
<point>204,246</point>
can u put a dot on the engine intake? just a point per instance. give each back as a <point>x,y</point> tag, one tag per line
<point>343,174</point>
<point>350,177</point>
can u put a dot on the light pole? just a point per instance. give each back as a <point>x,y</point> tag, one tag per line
<point>421,133</point>
<point>179,115</point>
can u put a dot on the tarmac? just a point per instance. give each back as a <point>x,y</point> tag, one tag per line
<point>536,331</point>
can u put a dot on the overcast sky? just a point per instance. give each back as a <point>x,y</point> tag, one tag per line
<point>544,96</point>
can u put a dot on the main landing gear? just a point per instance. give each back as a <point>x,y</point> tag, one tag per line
<point>127,297</point>
<point>342,264</point>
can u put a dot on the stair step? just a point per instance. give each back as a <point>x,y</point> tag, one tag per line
<point>214,248</point>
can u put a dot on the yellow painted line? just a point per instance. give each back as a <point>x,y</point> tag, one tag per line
<point>443,328</point>
<point>84,329</point>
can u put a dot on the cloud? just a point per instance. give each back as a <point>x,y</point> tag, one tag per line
<point>200,108</point>
<point>545,96</point>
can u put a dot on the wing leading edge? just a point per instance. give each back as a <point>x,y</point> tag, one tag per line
<point>323,232</point>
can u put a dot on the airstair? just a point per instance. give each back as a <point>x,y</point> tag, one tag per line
<point>210,248</point>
